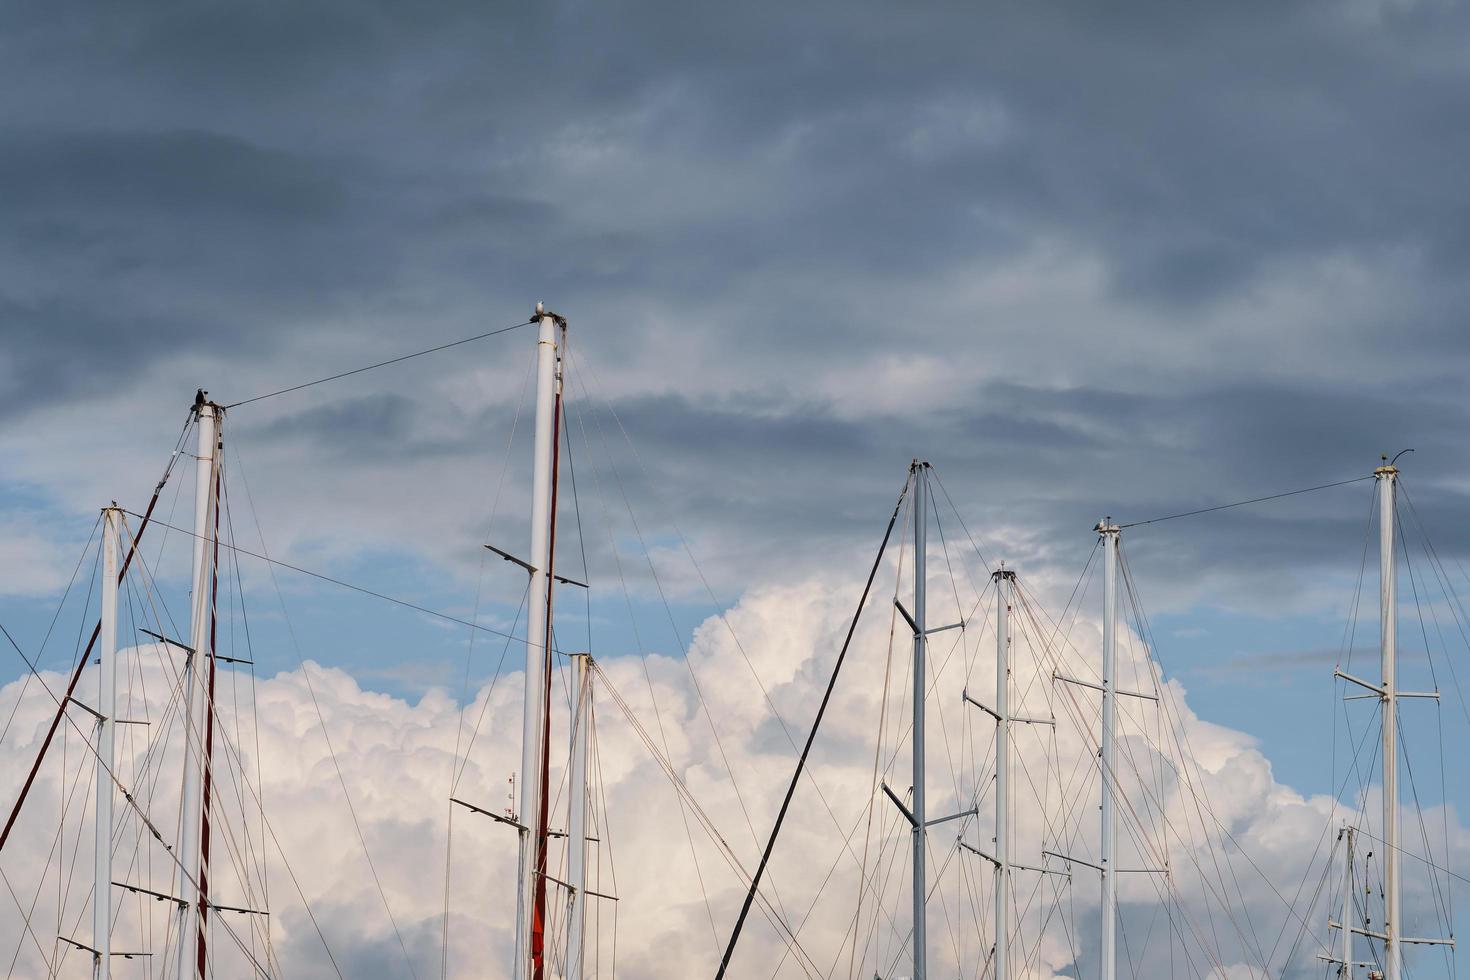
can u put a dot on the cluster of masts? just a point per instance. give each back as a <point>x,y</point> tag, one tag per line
<point>1005,866</point>
<point>531,805</point>
<point>1352,920</point>
<point>192,850</point>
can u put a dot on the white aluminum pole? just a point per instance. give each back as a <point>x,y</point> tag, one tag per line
<point>1108,844</point>
<point>1003,583</point>
<point>577,818</point>
<point>1388,620</point>
<point>1347,903</point>
<point>921,508</point>
<point>106,709</point>
<point>196,678</point>
<point>533,716</point>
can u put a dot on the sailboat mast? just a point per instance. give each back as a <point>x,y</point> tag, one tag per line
<point>201,950</point>
<point>106,712</point>
<point>577,815</point>
<point>1345,970</point>
<point>1004,584</point>
<point>1109,955</point>
<point>208,418</point>
<point>530,890</point>
<point>1387,477</point>
<point>920,831</point>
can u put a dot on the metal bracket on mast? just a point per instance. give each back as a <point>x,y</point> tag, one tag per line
<point>1012,864</point>
<point>1361,683</point>
<point>531,569</point>
<point>1333,959</point>
<point>902,808</point>
<point>573,888</point>
<point>971,812</point>
<point>915,626</point>
<point>98,715</point>
<point>965,695</point>
<point>168,641</point>
<point>157,896</point>
<point>1406,940</point>
<point>914,821</point>
<point>499,817</point>
<point>1098,687</point>
<point>1099,868</point>
<point>95,953</point>
<point>502,818</point>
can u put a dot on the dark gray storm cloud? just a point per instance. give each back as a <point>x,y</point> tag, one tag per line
<point>1132,260</point>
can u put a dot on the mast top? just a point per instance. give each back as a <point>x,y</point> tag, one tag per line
<point>1106,526</point>
<point>1388,468</point>
<point>201,399</point>
<point>1003,573</point>
<point>542,312</point>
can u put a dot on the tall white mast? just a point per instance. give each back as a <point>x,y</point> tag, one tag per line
<point>537,634</point>
<point>1004,582</point>
<point>917,816</point>
<point>1392,936</point>
<point>920,830</point>
<point>106,710</point>
<point>1346,967</point>
<point>1108,844</point>
<point>577,815</point>
<point>1388,633</point>
<point>195,682</point>
<point>1109,841</point>
<point>1106,867</point>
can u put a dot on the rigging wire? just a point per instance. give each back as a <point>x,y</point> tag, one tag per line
<point>464,695</point>
<point>1242,503</point>
<point>587,386</point>
<point>812,737</point>
<point>347,585</point>
<point>322,722</point>
<point>119,787</point>
<point>643,660</point>
<point>370,367</point>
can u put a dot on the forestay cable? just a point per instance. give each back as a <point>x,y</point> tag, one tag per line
<point>370,367</point>
<point>811,738</point>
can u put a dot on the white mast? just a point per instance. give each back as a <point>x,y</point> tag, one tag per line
<point>577,816</point>
<point>1392,936</point>
<point>1388,633</point>
<point>1346,967</point>
<point>537,632</point>
<point>917,815</point>
<point>1004,582</point>
<point>1106,867</point>
<point>196,679</point>
<point>106,709</point>
<point>920,830</point>
<point>1108,844</point>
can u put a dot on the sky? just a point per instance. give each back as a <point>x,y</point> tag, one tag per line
<point>1131,262</point>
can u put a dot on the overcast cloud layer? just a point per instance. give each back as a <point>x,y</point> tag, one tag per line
<point>1127,261</point>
